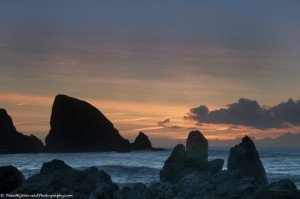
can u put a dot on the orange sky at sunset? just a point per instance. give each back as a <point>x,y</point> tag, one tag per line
<point>31,115</point>
<point>164,68</point>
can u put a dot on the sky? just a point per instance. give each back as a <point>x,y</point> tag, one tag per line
<point>162,67</point>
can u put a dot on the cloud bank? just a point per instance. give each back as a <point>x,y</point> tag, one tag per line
<point>249,113</point>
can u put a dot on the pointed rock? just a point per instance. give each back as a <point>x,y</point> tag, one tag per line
<point>11,141</point>
<point>141,142</point>
<point>77,126</point>
<point>174,165</point>
<point>246,158</point>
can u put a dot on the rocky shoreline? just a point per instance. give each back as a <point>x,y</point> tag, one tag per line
<point>187,173</point>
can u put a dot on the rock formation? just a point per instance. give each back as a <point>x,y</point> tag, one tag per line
<point>141,142</point>
<point>11,141</point>
<point>77,126</point>
<point>56,177</point>
<point>246,158</point>
<point>196,151</point>
<point>185,161</point>
<point>10,179</point>
<point>178,180</point>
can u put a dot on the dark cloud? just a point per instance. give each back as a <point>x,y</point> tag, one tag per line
<point>164,123</point>
<point>249,113</point>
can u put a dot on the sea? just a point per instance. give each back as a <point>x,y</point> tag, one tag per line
<point>126,169</point>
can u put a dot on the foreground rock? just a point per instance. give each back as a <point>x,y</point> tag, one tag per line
<point>246,158</point>
<point>183,178</point>
<point>185,161</point>
<point>12,141</point>
<point>56,177</point>
<point>77,126</point>
<point>10,179</point>
<point>180,179</point>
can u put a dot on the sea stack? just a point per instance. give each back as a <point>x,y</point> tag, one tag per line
<point>193,158</point>
<point>77,126</point>
<point>141,142</point>
<point>12,141</point>
<point>245,157</point>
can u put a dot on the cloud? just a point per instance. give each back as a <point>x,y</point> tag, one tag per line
<point>249,113</point>
<point>166,122</point>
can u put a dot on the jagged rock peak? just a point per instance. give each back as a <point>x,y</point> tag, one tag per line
<point>12,141</point>
<point>6,123</point>
<point>245,157</point>
<point>142,142</point>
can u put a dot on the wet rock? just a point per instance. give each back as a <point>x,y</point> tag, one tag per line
<point>215,166</point>
<point>141,142</point>
<point>174,165</point>
<point>53,166</point>
<point>183,162</point>
<point>138,191</point>
<point>12,141</point>
<point>232,182</point>
<point>56,177</point>
<point>246,158</point>
<point>10,179</point>
<point>283,185</point>
<point>77,126</point>
<point>196,151</point>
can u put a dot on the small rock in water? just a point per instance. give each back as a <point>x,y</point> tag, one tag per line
<point>141,142</point>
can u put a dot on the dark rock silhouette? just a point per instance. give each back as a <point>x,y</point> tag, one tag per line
<point>174,165</point>
<point>215,166</point>
<point>138,191</point>
<point>56,177</point>
<point>77,126</point>
<point>246,158</point>
<point>11,141</point>
<point>185,161</point>
<point>141,142</point>
<point>197,151</point>
<point>10,179</point>
<point>177,181</point>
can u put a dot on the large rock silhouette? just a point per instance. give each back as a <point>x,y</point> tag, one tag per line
<point>77,126</point>
<point>12,141</point>
<point>193,158</point>
<point>56,177</point>
<point>246,158</point>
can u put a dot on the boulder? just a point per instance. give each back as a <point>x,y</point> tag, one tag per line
<point>196,151</point>
<point>10,179</point>
<point>174,165</point>
<point>183,162</point>
<point>77,126</point>
<point>246,158</point>
<point>283,185</point>
<point>56,177</point>
<point>141,142</point>
<point>230,183</point>
<point>12,141</point>
<point>215,166</point>
<point>138,191</point>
